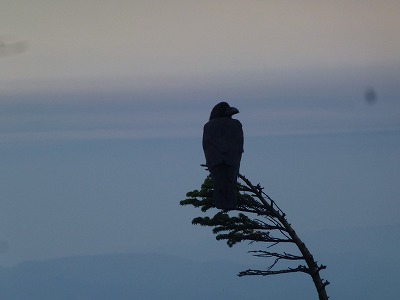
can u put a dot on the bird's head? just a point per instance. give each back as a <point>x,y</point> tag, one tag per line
<point>223,109</point>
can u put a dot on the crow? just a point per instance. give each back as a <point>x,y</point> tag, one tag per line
<point>223,147</point>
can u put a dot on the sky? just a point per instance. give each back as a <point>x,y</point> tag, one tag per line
<point>134,44</point>
<point>102,106</point>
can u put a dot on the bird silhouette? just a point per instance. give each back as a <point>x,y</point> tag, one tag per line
<point>223,147</point>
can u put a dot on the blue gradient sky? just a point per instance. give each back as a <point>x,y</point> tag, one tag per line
<point>101,119</point>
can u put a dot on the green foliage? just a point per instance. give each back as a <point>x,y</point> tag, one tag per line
<point>234,228</point>
<point>202,198</point>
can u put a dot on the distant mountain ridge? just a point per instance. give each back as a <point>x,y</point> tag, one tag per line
<point>362,264</point>
<point>128,276</point>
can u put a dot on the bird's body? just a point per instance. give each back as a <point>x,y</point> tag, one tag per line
<point>223,147</point>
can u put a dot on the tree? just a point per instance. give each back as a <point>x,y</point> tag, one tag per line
<point>259,219</point>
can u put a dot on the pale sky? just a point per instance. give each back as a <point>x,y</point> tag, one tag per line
<point>102,44</point>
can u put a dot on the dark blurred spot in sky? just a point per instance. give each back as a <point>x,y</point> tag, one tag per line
<point>370,96</point>
<point>12,47</point>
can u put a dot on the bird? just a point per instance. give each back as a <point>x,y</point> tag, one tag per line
<point>223,147</point>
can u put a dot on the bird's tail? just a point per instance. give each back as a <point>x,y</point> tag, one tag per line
<point>225,193</point>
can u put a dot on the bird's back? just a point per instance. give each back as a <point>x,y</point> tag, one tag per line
<point>223,141</point>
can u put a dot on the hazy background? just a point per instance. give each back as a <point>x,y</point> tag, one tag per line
<point>101,112</point>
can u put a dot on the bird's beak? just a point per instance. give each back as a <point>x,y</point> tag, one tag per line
<point>232,111</point>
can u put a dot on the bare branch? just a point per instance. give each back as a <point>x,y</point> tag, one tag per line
<point>267,273</point>
<point>261,253</point>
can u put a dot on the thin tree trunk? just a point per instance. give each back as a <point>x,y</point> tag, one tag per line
<point>313,268</point>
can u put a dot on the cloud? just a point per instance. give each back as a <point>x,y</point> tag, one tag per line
<point>75,117</point>
<point>43,120</point>
<point>293,103</point>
